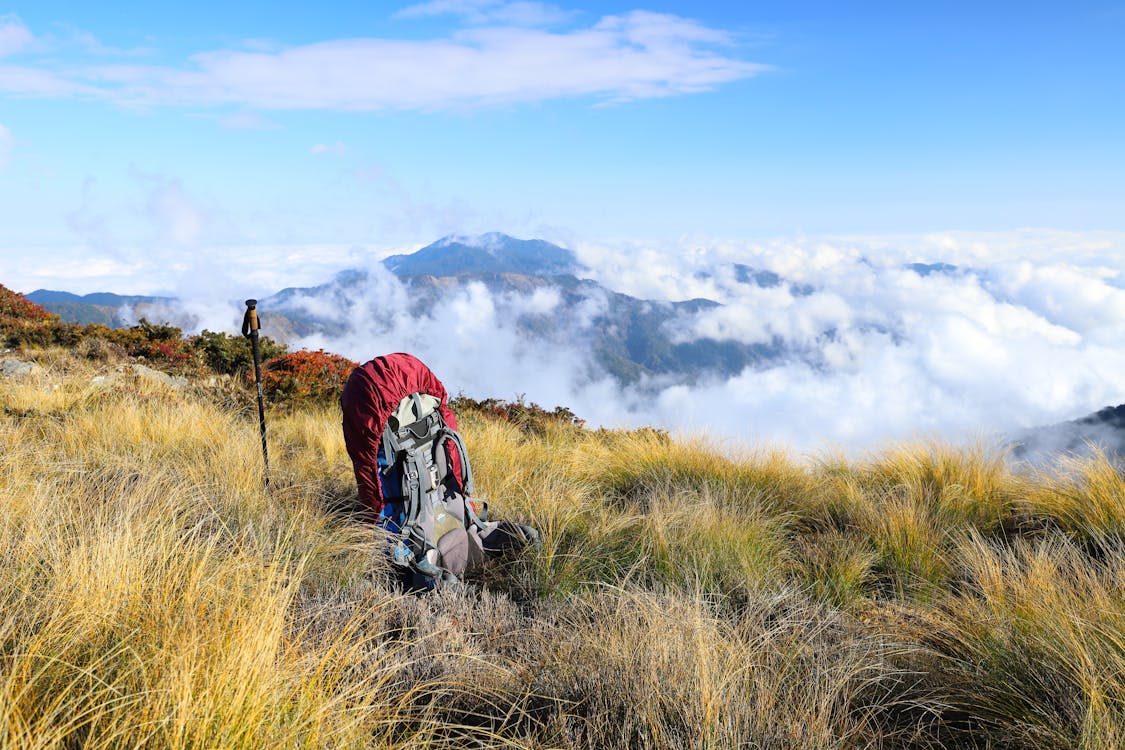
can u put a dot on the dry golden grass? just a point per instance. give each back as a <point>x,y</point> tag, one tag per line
<point>1083,497</point>
<point>153,595</point>
<point>1035,645</point>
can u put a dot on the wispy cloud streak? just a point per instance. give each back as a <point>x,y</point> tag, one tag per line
<point>636,55</point>
<point>14,35</point>
<point>5,145</point>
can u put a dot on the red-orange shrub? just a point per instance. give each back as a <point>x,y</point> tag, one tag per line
<point>161,344</point>
<point>15,305</point>
<point>304,376</point>
<point>22,322</point>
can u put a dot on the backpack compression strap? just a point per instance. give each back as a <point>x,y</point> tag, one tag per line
<point>443,470</point>
<point>443,463</point>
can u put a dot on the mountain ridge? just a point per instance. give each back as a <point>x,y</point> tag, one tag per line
<point>98,308</point>
<point>1102,430</point>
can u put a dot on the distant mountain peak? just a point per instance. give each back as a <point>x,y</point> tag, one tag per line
<point>486,241</point>
<point>493,252</point>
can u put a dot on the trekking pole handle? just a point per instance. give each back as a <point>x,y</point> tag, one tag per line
<point>250,323</point>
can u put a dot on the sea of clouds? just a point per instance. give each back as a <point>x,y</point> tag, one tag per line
<point>1016,330</point>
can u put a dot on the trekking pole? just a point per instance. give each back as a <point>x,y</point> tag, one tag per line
<point>250,327</point>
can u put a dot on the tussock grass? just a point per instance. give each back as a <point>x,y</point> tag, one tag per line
<point>971,487</point>
<point>153,595</point>
<point>1033,651</point>
<point>631,466</point>
<point>676,670</point>
<point>1085,498</point>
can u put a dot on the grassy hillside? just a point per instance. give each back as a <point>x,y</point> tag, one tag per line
<point>155,596</point>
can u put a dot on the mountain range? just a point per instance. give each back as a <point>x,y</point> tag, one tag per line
<point>629,338</point>
<point>100,308</point>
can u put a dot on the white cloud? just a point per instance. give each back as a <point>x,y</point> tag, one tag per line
<point>763,315</point>
<point>90,221</point>
<point>71,270</point>
<point>14,35</point>
<point>30,81</point>
<point>877,353</point>
<point>91,44</point>
<point>665,271</point>
<point>1065,294</point>
<point>329,149</point>
<point>5,146</point>
<point>542,301</point>
<point>176,218</point>
<point>631,56</point>
<point>104,263</point>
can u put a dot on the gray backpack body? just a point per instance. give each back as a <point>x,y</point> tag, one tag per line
<point>440,530</point>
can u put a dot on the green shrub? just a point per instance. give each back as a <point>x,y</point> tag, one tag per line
<point>230,355</point>
<point>531,418</point>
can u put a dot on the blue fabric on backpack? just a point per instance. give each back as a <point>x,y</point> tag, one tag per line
<point>392,480</point>
<point>392,517</point>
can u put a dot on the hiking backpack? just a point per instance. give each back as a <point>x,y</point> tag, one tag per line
<point>438,526</point>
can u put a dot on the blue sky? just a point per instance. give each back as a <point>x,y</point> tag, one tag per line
<point>130,131</point>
